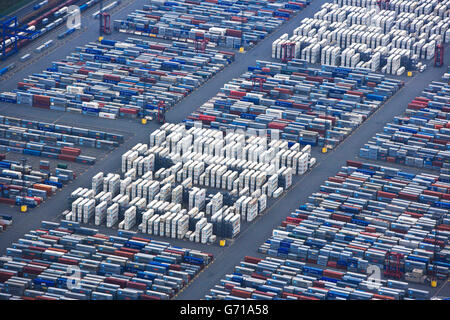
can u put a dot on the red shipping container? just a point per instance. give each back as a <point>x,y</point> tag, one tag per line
<point>205,117</point>
<point>355,93</point>
<point>239,94</point>
<point>268,294</point>
<point>250,259</point>
<point>355,164</point>
<point>192,2</point>
<point>67,157</point>
<point>111,77</point>
<point>432,193</point>
<point>315,78</point>
<point>176,267</point>
<point>276,125</point>
<point>125,254</point>
<point>414,214</point>
<point>335,179</point>
<point>298,4</point>
<point>229,286</point>
<point>294,220</point>
<point>341,217</point>
<point>121,282</point>
<point>71,151</point>
<point>148,297</point>
<point>233,33</point>
<point>44,298</point>
<point>157,47</point>
<point>67,261</point>
<point>137,285</point>
<point>197,21</point>
<point>440,141</point>
<point>419,102</point>
<point>332,264</point>
<point>386,194</point>
<point>159,73</point>
<point>283,90</point>
<point>40,101</point>
<point>302,106</point>
<point>443,227</point>
<point>408,196</point>
<point>129,250</point>
<point>40,264</point>
<point>21,85</point>
<point>415,106</point>
<point>7,201</point>
<point>128,110</point>
<point>382,297</point>
<point>241,293</point>
<point>32,270</point>
<point>422,99</point>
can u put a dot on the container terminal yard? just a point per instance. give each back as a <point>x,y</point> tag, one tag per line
<point>225,150</point>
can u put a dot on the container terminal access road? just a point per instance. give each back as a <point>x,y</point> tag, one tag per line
<point>259,230</point>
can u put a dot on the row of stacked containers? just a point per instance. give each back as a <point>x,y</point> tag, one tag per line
<point>25,185</point>
<point>30,186</point>
<point>358,218</point>
<point>52,141</point>
<point>41,265</point>
<point>297,102</point>
<point>420,137</point>
<point>114,79</point>
<point>390,38</point>
<point>230,24</point>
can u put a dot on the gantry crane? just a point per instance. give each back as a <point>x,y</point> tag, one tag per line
<point>288,51</point>
<point>105,20</point>
<point>11,33</point>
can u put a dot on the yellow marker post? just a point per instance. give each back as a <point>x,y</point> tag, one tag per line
<point>409,73</point>
<point>222,243</point>
<point>144,121</point>
<point>23,208</point>
<point>324,150</point>
<point>100,39</point>
<point>434,283</point>
<point>241,49</point>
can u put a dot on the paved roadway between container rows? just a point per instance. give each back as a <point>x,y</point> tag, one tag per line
<point>249,240</point>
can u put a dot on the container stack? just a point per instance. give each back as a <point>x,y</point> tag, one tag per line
<point>118,267</point>
<point>92,81</point>
<point>280,278</point>
<point>420,137</point>
<point>177,195</point>
<point>360,217</point>
<point>360,34</point>
<point>27,186</point>
<point>5,221</point>
<point>227,24</point>
<point>53,141</point>
<point>365,205</point>
<point>282,100</point>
